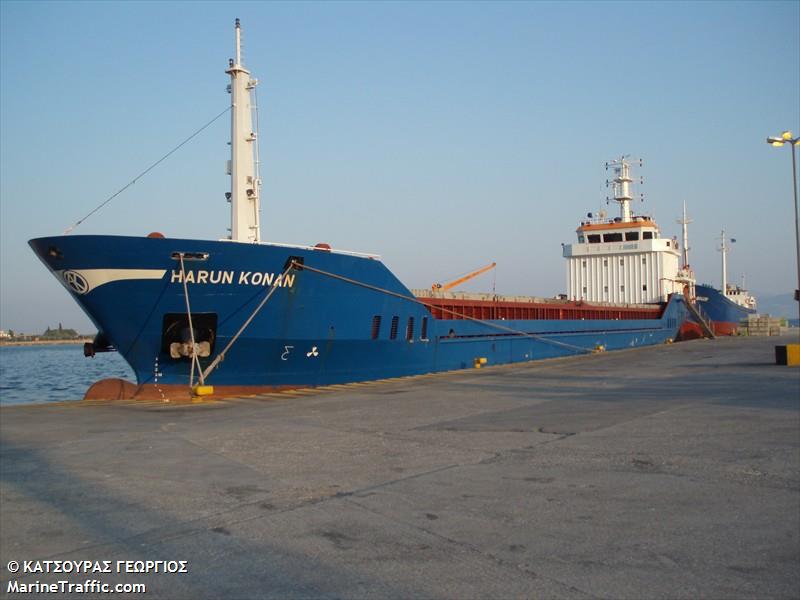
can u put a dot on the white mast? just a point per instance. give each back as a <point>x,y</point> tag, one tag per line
<point>622,186</point>
<point>245,184</point>
<point>684,222</point>
<point>724,250</point>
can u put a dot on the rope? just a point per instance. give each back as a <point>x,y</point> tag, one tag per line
<point>195,359</point>
<point>443,309</point>
<point>221,356</point>
<point>145,172</point>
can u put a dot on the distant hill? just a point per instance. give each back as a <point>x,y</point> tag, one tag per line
<point>777,305</point>
<point>59,334</point>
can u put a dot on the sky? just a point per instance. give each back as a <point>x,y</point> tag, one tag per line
<point>442,136</point>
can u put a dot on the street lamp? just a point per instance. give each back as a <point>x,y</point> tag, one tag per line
<point>786,138</point>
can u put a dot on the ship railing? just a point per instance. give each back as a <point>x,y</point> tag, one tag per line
<point>635,220</point>
<point>705,318</point>
<point>332,250</point>
<point>702,312</point>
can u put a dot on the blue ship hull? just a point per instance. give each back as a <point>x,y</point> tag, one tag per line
<point>723,312</point>
<point>314,330</point>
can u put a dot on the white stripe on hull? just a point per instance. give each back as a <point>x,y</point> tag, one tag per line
<point>84,281</point>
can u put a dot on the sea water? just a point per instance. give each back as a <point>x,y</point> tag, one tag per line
<point>49,373</point>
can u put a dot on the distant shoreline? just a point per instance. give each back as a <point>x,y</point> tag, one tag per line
<point>44,342</point>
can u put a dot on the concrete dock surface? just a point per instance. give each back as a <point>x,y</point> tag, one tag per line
<point>664,472</point>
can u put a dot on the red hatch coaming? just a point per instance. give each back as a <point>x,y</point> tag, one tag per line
<point>454,309</point>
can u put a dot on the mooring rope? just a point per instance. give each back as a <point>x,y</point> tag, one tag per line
<point>303,267</point>
<point>195,359</point>
<point>443,309</point>
<point>221,356</point>
<point>145,172</point>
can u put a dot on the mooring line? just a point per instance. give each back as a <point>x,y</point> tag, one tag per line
<point>443,309</point>
<point>195,359</point>
<point>145,172</point>
<point>221,356</point>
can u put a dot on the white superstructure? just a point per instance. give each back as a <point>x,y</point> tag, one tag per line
<point>623,259</point>
<point>243,166</point>
<point>734,293</point>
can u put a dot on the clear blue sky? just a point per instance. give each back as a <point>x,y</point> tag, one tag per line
<point>442,136</point>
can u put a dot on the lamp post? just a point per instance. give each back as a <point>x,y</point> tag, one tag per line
<point>786,138</point>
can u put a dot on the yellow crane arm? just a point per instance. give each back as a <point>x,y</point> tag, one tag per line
<point>443,287</point>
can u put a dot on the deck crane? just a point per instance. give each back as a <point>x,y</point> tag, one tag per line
<point>443,287</point>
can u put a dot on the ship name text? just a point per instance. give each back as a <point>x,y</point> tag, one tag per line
<point>229,277</point>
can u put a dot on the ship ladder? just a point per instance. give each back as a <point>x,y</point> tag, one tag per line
<point>705,322</point>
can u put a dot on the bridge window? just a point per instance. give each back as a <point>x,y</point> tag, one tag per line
<point>376,327</point>
<point>647,235</point>
<point>594,238</point>
<point>410,329</point>
<point>393,330</point>
<point>612,237</point>
<point>631,236</point>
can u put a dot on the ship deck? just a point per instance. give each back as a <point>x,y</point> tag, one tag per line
<point>669,471</point>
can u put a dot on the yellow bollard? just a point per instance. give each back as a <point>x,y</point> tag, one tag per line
<point>202,390</point>
<point>788,355</point>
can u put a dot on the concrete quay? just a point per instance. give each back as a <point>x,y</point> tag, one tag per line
<point>664,472</point>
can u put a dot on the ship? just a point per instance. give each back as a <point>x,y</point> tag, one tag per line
<point>697,324</point>
<point>243,316</point>
<point>725,309</point>
<point>711,312</point>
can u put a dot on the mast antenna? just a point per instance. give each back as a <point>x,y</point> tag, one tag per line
<point>622,185</point>
<point>684,221</point>
<point>238,42</point>
<point>724,248</point>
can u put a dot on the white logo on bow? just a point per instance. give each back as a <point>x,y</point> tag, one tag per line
<point>314,352</point>
<point>76,282</point>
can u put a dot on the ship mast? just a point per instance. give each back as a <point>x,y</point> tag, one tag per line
<point>245,183</point>
<point>724,250</point>
<point>684,222</point>
<point>622,186</point>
